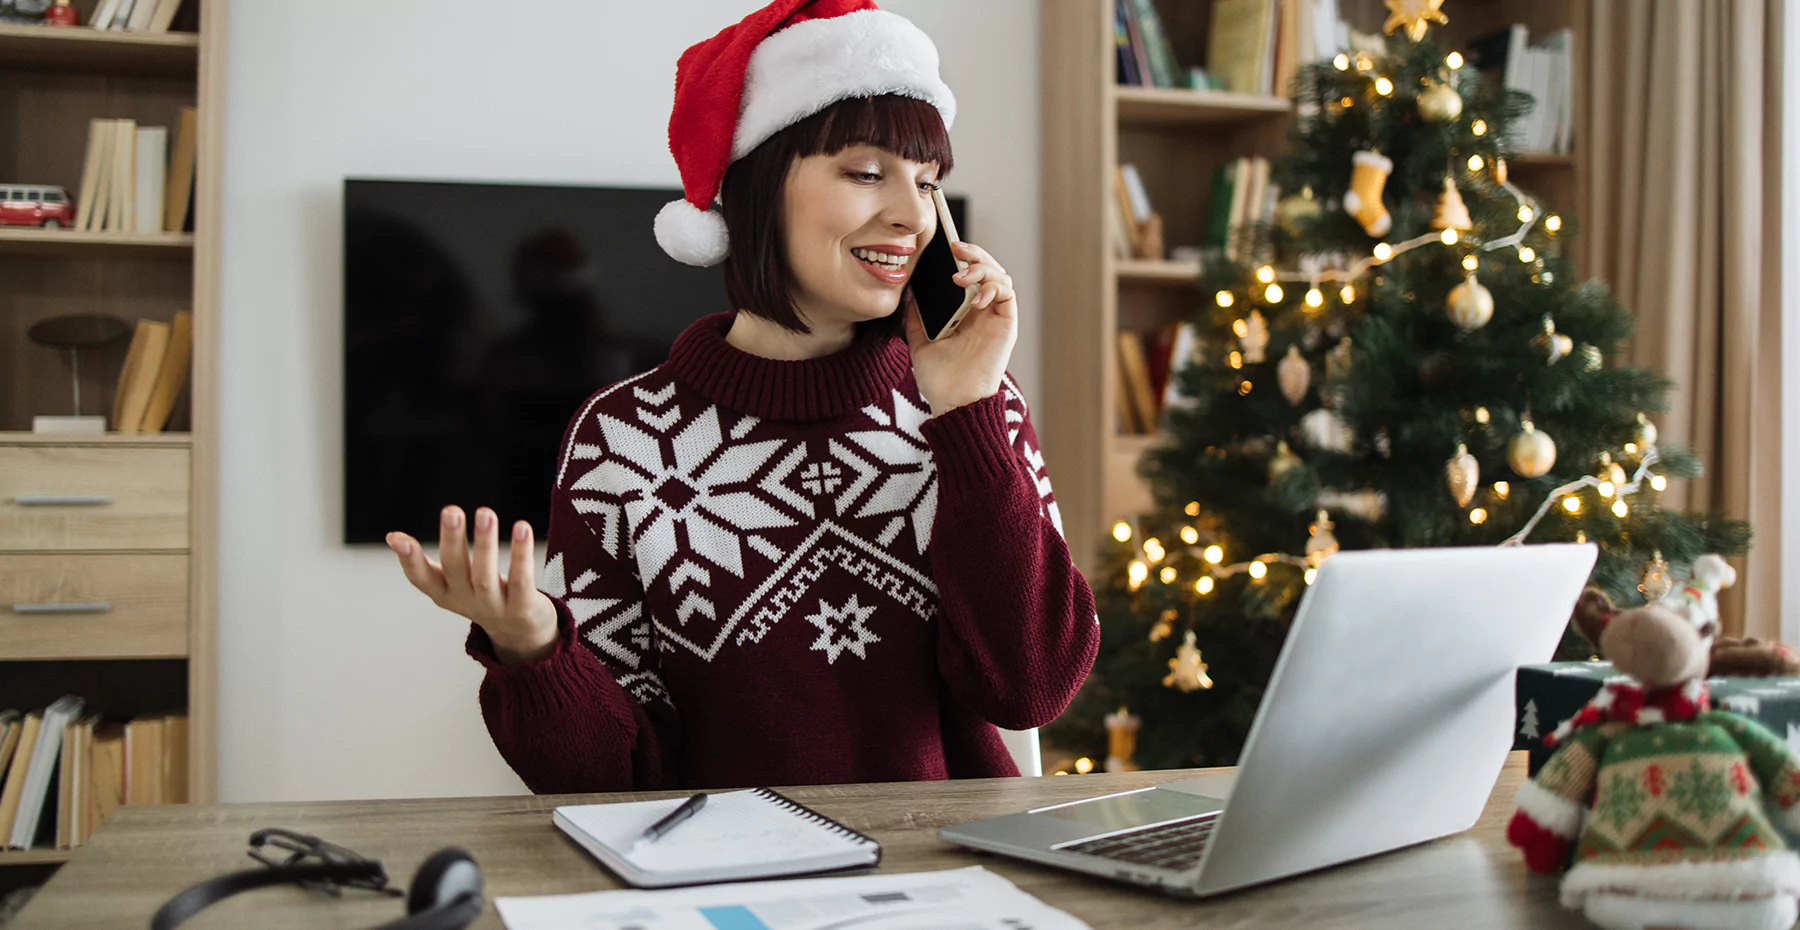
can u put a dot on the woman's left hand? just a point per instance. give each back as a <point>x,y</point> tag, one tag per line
<point>966,365</point>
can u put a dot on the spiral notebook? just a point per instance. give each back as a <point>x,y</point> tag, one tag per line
<point>738,835</point>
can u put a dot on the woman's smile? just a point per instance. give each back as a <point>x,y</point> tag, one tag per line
<point>888,264</point>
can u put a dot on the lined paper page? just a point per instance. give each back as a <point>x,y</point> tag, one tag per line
<point>733,827</point>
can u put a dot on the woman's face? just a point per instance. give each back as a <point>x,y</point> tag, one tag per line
<point>855,223</point>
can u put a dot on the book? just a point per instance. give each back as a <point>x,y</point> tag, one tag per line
<point>44,759</point>
<point>1125,58</point>
<point>122,201</point>
<point>141,13</point>
<point>138,377</point>
<point>103,14</point>
<point>148,185</point>
<point>1163,67</point>
<point>175,759</point>
<point>1134,365</point>
<point>1239,43</point>
<point>93,162</point>
<point>171,374</point>
<point>106,776</point>
<point>748,834</point>
<point>14,789</point>
<point>1181,355</point>
<point>1127,215</point>
<point>164,15</point>
<point>179,195</point>
<point>1139,54</point>
<point>144,761</point>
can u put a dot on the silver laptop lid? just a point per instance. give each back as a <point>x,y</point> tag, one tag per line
<point>1389,713</point>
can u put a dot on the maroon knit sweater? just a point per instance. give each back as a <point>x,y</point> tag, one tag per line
<point>789,573</point>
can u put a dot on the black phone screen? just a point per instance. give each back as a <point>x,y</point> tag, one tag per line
<point>937,295</point>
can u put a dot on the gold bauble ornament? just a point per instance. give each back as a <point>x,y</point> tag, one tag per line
<point>1591,359</point>
<point>1531,454</point>
<point>1553,344</point>
<point>1281,462</point>
<point>1320,543</point>
<point>1657,582</point>
<point>1295,375</point>
<point>1499,171</point>
<point>1440,103</point>
<point>1255,339</point>
<point>1470,305</point>
<point>1464,475</point>
<point>1415,16</point>
<point>1186,671</point>
<point>1296,210</point>
<point>1451,212</point>
<point>1646,433</point>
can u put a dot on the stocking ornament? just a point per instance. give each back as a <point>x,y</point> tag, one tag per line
<point>1368,176</point>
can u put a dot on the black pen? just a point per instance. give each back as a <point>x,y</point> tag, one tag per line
<point>688,808</point>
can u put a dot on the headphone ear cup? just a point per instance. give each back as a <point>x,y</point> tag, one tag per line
<point>448,875</point>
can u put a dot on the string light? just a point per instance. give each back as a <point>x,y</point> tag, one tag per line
<point>1243,388</point>
<point>1364,62</point>
<point>1240,328</point>
<point>1478,516</point>
<point>1619,509</point>
<point>1502,489</point>
<point>1153,549</point>
<point>1631,448</point>
<point>1224,299</point>
<point>1167,574</point>
<point>1347,294</point>
<point>1122,531</point>
<point>1084,765</point>
<point>1312,575</point>
<point>1346,103</point>
<point>1258,569</point>
<point>1527,254</point>
<point>1190,535</point>
<point>1572,504</point>
<point>1383,86</point>
<point>1273,294</point>
<point>1448,237</point>
<point>1553,222</point>
<point>1204,586</point>
<point>1482,416</point>
<point>1470,262</point>
<point>1479,127</point>
<point>1314,299</point>
<point>1193,509</point>
<point>1606,489</point>
<point>1659,482</point>
<point>1383,251</point>
<point>1265,274</point>
<point>1341,62</point>
<point>1475,163</point>
<point>1454,60</point>
<point>1235,359</point>
<point>1581,536</point>
<point>1136,573</point>
<point>1525,213</point>
<point>1214,554</point>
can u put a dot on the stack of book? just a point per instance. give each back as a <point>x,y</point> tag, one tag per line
<point>131,180</point>
<point>1243,203</point>
<point>1258,46</point>
<point>155,371</point>
<point>1147,368</point>
<point>1544,69</point>
<point>64,772</point>
<point>135,15</point>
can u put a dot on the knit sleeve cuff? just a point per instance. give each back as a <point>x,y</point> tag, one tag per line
<point>566,677</point>
<point>970,443</point>
<point>1553,813</point>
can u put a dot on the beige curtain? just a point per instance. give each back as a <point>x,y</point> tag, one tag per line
<point>1682,180</point>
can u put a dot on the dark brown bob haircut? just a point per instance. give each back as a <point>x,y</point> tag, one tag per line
<point>757,276</point>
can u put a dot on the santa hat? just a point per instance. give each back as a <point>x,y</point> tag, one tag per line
<point>781,64</point>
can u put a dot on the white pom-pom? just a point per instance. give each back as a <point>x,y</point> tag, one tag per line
<point>692,236</point>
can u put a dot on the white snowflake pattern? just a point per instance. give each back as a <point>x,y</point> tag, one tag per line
<point>821,478</point>
<point>907,473</point>
<point>837,635</point>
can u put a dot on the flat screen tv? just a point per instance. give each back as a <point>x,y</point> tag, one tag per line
<point>477,318</point>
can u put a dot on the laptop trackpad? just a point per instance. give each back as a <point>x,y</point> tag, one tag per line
<point>1138,809</point>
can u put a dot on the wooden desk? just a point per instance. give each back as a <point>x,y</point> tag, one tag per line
<point>1474,880</point>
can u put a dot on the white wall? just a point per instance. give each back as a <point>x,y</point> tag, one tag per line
<point>338,680</point>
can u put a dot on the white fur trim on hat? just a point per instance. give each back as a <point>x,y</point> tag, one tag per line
<point>691,235</point>
<point>1551,811</point>
<point>813,64</point>
<point>1757,877</point>
<point>1630,912</point>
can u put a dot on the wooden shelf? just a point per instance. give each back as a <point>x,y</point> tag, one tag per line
<point>36,856</point>
<point>66,243</point>
<point>1169,106</point>
<point>79,48</point>
<point>12,437</point>
<point>1156,272</point>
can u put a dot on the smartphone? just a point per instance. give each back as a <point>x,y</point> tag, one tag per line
<point>942,302</point>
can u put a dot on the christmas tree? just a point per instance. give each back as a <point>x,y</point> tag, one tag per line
<point>1407,360</point>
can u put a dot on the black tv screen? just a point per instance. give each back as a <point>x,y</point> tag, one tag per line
<point>477,318</point>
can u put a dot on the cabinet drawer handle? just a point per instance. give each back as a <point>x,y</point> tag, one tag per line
<point>95,607</point>
<point>53,500</point>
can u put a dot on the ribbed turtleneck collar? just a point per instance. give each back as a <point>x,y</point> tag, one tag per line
<point>811,389</point>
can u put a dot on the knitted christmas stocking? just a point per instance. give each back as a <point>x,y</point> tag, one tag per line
<point>1368,176</point>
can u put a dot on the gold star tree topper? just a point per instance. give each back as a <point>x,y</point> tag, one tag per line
<point>1414,16</point>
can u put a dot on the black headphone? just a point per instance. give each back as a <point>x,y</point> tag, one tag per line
<point>445,893</point>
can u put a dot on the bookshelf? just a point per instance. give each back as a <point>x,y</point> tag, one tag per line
<point>143,540</point>
<point>1176,137</point>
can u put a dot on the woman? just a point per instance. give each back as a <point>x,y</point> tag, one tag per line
<point>805,549</point>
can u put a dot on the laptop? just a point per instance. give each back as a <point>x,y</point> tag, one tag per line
<point>1387,719</point>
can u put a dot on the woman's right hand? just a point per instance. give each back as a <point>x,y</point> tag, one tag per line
<point>518,618</point>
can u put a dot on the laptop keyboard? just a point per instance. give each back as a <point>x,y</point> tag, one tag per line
<point>1175,845</point>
